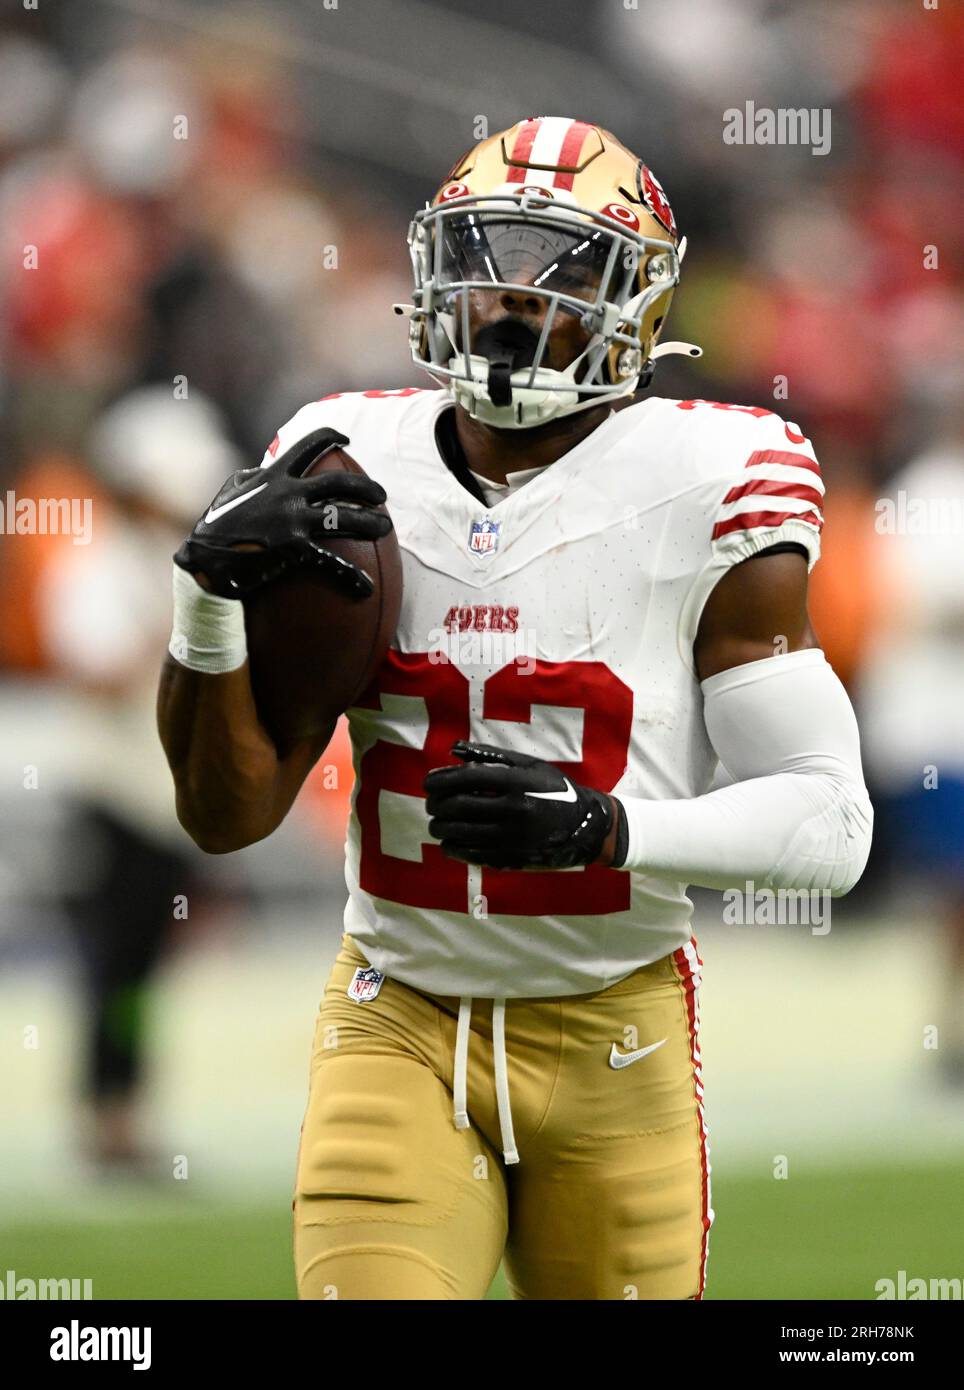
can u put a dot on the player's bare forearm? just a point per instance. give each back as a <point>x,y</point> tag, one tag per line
<point>233,786</point>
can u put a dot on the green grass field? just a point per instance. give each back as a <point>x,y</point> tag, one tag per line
<point>828,1233</point>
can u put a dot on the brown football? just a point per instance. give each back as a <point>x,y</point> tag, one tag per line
<point>312,650</point>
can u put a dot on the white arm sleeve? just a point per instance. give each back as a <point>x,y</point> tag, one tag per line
<point>798,815</point>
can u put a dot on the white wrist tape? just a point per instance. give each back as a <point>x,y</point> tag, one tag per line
<point>798,815</point>
<point>208,632</point>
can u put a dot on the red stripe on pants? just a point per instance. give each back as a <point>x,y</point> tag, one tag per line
<point>685,968</point>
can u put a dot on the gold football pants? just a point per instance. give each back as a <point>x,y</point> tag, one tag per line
<point>610,1198</point>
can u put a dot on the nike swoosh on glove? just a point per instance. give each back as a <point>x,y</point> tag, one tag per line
<point>510,811</point>
<point>284,519</point>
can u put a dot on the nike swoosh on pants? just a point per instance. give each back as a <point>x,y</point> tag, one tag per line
<point>626,1059</point>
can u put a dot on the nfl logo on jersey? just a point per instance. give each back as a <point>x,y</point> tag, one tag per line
<point>365,984</point>
<point>484,536</point>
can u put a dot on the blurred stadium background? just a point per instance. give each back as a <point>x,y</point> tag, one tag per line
<point>185,171</point>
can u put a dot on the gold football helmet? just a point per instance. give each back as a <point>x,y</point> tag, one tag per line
<point>560,210</point>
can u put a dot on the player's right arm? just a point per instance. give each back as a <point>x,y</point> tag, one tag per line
<point>233,784</point>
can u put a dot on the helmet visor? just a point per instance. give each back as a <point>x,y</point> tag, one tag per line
<point>487,249</point>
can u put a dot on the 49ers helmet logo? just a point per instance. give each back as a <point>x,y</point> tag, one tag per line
<point>651,192</point>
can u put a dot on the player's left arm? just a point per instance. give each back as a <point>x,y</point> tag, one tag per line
<point>797,815</point>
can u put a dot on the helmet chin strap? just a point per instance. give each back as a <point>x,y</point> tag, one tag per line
<point>675,349</point>
<point>521,407</point>
<point>664,350</point>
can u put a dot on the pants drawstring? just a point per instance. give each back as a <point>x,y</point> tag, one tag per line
<point>510,1153</point>
<point>460,1079</point>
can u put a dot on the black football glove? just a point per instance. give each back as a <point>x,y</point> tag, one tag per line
<point>289,517</point>
<point>510,811</point>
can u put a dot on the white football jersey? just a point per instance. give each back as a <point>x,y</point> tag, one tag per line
<point>557,622</point>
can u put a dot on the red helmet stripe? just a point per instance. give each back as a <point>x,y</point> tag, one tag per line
<point>522,149</point>
<point>571,149</point>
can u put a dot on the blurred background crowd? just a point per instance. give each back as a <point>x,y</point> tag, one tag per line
<point>218,196</point>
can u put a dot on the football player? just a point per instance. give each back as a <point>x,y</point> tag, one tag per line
<point>605,596</point>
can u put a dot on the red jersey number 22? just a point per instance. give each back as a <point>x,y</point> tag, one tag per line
<point>509,694</point>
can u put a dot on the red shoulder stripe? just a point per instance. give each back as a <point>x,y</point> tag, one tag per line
<point>771,488</point>
<point>785,457</point>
